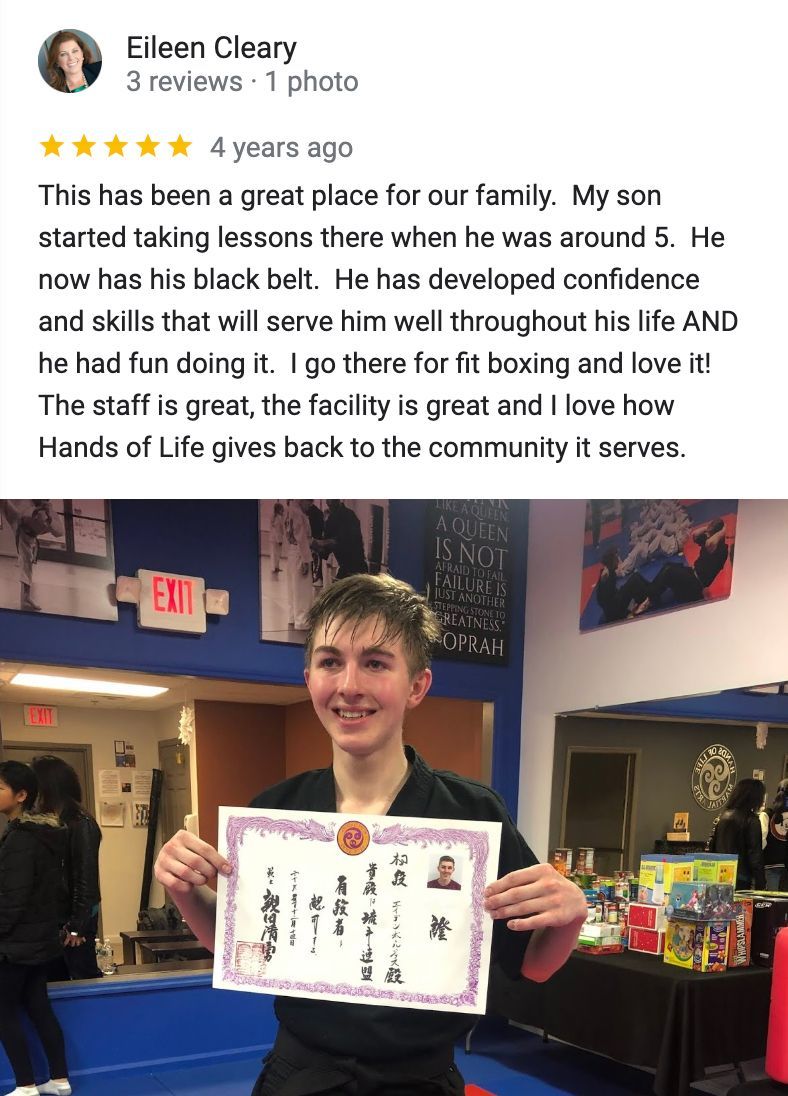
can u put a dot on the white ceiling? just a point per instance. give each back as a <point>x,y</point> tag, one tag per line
<point>180,689</point>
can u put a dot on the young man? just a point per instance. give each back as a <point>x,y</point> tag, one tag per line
<point>444,877</point>
<point>367,656</point>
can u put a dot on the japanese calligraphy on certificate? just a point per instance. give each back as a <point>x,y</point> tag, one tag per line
<point>371,909</point>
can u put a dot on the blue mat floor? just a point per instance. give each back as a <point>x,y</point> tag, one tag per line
<point>505,1060</point>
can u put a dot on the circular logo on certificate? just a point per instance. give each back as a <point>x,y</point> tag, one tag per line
<point>353,838</point>
<point>713,777</point>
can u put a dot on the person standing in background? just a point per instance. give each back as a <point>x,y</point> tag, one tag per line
<point>739,831</point>
<point>60,793</point>
<point>277,536</point>
<point>31,866</point>
<point>299,563</point>
<point>776,851</point>
<point>30,519</point>
<point>315,516</point>
<point>343,538</point>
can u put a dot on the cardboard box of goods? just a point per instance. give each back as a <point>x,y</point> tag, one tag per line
<point>658,872</point>
<point>701,901</point>
<point>645,915</point>
<point>715,867</point>
<point>697,945</point>
<point>650,941</point>
<point>740,933</point>
<point>769,915</point>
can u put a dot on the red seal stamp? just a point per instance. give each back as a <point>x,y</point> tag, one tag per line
<point>353,838</point>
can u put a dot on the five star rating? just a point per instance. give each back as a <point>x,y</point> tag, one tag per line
<point>117,147</point>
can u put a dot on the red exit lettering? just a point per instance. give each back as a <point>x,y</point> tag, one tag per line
<point>173,595</point>
<point>40,717</point>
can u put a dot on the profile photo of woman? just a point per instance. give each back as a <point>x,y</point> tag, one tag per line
<point>71,64</point>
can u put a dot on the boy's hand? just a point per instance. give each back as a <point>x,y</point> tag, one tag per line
<point>536,897</point>
<point>186,862</point>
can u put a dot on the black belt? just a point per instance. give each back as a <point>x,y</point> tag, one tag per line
<point>322,1072</point>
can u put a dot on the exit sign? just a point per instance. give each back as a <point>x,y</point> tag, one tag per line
<point>174,603</point>
<point>40,715</point>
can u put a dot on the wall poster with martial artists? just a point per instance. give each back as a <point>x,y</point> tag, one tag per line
<point>306,544</point>
<point>645,556</point>
<point>57,556</point>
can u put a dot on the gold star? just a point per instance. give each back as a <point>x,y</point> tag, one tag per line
<point>51,147</point>
<point>83,146</point>
<point>179,146</point>
<point>148,147</point>
<point>116,146</point>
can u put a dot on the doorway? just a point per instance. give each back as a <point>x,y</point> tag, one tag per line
<point>176,791</point>
<point>597,811</point>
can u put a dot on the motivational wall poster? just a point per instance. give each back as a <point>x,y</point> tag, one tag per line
<point>363,908</point>
<point>643,556</point>
<point>468,570</point>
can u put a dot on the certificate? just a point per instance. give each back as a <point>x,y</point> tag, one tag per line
<point>371,909</point>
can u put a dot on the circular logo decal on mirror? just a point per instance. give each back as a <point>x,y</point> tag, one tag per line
<point>713,777</point>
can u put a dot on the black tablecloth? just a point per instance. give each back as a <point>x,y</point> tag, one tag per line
<point>641,1011</point>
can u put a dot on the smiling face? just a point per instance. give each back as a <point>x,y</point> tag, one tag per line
<point>70,58</point>
<point>445,871</point>
<point>361,687</point>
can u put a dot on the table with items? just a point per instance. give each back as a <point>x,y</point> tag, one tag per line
<point>644,1012</point>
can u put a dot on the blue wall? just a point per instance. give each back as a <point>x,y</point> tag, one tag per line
<point>135,1023</point>
<point>218,541</point>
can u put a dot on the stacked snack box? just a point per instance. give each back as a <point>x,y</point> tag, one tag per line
<point>711,867</point>
<point>740,932</point>
<point>700,913</point>
<point>697,945</point>
<point>600,938</point>
<point>648,941</point>
<point>659,872</point>
<point>701,901</point>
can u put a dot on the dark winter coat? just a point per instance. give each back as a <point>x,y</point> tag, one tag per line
<point>81,895</point>
<point>32,851</point>
<point>740,833</point>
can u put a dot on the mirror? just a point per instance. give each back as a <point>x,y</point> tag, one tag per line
<point>622,773</point>
<point>247,736</point>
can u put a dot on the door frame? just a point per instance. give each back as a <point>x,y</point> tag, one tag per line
<point>630,802</point>
<point>83,748</point>
<point>188,749</point>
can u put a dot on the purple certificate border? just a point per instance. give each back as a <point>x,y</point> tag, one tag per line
<point>478,847</point>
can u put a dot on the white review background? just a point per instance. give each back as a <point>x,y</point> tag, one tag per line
<point>688,99</point>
